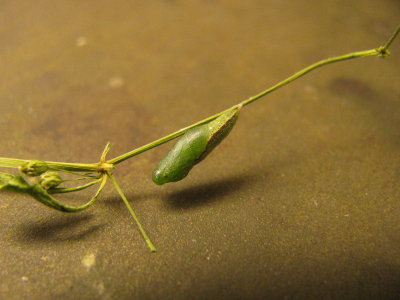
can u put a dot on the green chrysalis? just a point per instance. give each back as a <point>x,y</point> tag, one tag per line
<point>194,146</point>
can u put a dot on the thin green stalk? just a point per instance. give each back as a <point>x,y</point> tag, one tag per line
<point>380,51</point>
<point>74,167</point>
<point>39,194</point>
<point>391,39</point>
<point>73,189</point>
<point>121,193</point>
<point>80,179</point>
<point>85,175</point>
<point>107,166</point>
<point>160,141</point>
<point>69,208</point>
<point>295,76</point>
<point>11,162</point>
<point>105,151</point>
<point>309,69</point>
<point>55,166</point>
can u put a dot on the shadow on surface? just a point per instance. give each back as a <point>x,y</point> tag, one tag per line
<point>207,193</point>
<point>59,229</point>
<point>192,196</point>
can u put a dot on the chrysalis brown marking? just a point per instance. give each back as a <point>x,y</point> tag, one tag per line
<point>193,147</point>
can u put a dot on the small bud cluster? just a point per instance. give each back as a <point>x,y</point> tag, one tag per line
<point>47,179</point>
<point>50,180</point>
<point>34,168</point>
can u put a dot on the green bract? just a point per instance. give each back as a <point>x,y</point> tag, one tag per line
<point>34,168</point>
<point>19,184</point>
<point>50,180</point>
<point>194,146</point>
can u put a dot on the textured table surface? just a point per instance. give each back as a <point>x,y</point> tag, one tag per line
<point>300,201</point>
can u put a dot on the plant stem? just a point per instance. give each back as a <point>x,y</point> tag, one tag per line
<point>55,166</point>
<point>160,141</point>
<point>121,193</point>
<point>380,51</point>
<point>107,166</point>
<point>309,69</point>
<point>295,76</point>
<point>391,39</point>
<point>76,167</point>
<point>73,189</point>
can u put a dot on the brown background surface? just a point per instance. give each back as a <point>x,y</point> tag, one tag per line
<point>302,199</point>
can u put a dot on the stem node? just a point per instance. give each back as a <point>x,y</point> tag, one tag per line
<point>383,51</point>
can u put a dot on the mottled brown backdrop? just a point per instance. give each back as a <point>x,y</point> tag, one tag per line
<point>300,202</point>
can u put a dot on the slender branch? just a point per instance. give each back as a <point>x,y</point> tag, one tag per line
<point>75,167</point>
<point>392,38</point>
<point>160,141</point>
<point>79,179</point>
<point>309,69</point>
<point>55,166</point>
<point>295,76</point>
<point>85,175</point>
<point>52,202</point>
<point>121,193</point>
<point>73,189</point>
<point>11,162</point>
<point>380,51</point>
<point>107,166</point>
